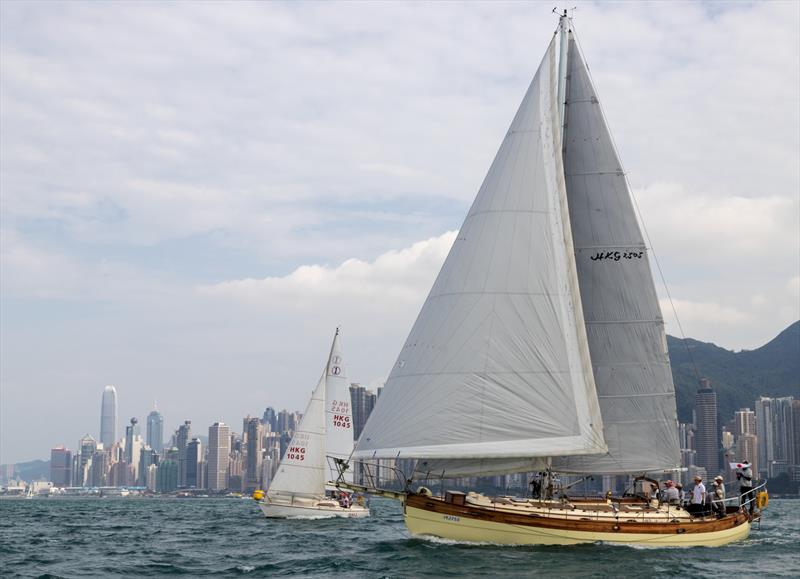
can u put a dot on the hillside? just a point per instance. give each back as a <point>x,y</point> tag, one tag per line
<point>738,377</point>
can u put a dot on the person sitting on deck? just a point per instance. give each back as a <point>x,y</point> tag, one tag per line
<point>718,497</point>
<point>670,494</point>
<point>698,504</point>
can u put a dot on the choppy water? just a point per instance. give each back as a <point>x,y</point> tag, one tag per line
<point>229,537</point>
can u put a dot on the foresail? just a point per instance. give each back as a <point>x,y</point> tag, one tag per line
<point>623,318</point>
<point>338,411</point>
<point>302,470</point>
<point>496,364</point>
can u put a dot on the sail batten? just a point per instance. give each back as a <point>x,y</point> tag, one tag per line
<point>496,365</point>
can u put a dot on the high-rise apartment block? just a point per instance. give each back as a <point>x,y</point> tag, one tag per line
<point>182,438</point>
<point>776,436</point>
<point>363,401</point>
<point>194,464</point>
<point>219,450</point>
<point>253,433</point>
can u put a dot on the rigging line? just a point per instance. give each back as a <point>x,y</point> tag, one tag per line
<point>641,219</point>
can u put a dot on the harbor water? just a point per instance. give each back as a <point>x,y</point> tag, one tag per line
<point>138,537</point>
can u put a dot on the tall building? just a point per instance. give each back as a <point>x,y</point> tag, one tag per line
<point>182,438</point>
<point>86,448</point>
<point>706,436</point>
<point>108,417</point>
<point>776,435</point>
<point>61,467</point>
<point>270,418</point>
<point>253,432</point>
<point>194,464</point>
<point>130,431</point>
<point>283,421</point>
<point>167,476</point>
<point>219,450</point>
<point>155,430</point>
<point>363,402</point>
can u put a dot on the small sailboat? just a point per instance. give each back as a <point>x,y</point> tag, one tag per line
<point>298,488</point>
<point>541,346</point>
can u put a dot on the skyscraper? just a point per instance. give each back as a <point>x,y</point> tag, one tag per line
<point>86,448</point>
<point>61,467</point>
<point>108,417</point>
<point>130,431</point>
<point>775,425</point>
<point>182,440</point>
<point>219,449</point>
<point>253,454</point>
<point>155,430</point>
<point>270,418</point>
<point>706,436</point>
<point>363,401</point>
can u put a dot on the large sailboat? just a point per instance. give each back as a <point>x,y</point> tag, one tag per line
<point>541,346</point>
<point>298,488</point>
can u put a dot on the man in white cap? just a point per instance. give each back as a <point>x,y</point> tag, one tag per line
<point>718,498</point>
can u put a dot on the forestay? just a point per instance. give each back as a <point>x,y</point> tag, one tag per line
<point>496,365</point>
<point>302,470</point>
<point>623,318</point>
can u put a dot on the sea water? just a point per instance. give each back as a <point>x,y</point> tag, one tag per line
<point>138,537</point>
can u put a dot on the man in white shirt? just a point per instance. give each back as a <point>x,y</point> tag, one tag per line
<point>744,474</point>
<point>698,506</point>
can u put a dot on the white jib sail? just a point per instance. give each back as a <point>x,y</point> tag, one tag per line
<point>302,470</point>
<point>338,411</point>
<point>623,318</point>
<point>496,365</point>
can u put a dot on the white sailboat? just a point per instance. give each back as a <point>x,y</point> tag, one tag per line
<point>298,488</point>
<point>541,346</point>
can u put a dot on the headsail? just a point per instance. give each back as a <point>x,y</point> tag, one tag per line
<point>496,366</point>
<point>302,470</point>
<point>623,318</point>
<point>338,411</point>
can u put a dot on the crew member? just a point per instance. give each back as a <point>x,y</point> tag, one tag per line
<point>744,474</point>
<point>698,504</point>
<point>718,497</point>
<point>670,495</point>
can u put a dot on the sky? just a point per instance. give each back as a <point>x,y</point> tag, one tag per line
<point>194,195</point>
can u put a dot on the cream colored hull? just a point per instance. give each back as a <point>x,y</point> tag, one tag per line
<point>423,522</point>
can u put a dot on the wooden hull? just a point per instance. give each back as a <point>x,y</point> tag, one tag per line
<point>431,516</point>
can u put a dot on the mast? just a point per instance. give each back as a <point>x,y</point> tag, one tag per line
<point>564,28</point>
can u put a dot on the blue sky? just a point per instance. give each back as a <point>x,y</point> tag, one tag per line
<point>195,194</point>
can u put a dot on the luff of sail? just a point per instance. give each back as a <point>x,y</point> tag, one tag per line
<point>302,470</point>
<point>496,365</point>
<point>623,319</point>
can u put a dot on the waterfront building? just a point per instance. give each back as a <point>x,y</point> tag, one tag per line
<point>86,448</point>
<point>253,432</point>
<point>706,435</point>
<point>155,430</point>
<point>219,440</point>
<point>147,458</point>
<point>100,464</point>
<point>61,467</point>
<point>108,417</point>
<point>167,476</point>
<point>194,464</point>
<point>130,432</point>
<point>150,477</point>
<point>182,438</point>
<point>118,474</point>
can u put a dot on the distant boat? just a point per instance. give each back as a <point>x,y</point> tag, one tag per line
<point>541,345</point>
<point>325,432</point>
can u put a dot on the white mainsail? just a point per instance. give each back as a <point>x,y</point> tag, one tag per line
<point>496,367</point>
<point>338,411</point>
<point>620,307</point>
<point>302,470</point>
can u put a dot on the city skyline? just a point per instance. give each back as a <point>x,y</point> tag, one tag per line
<point>227,227</point>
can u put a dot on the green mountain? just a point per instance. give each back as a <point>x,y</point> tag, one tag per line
<point>738,377</point>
